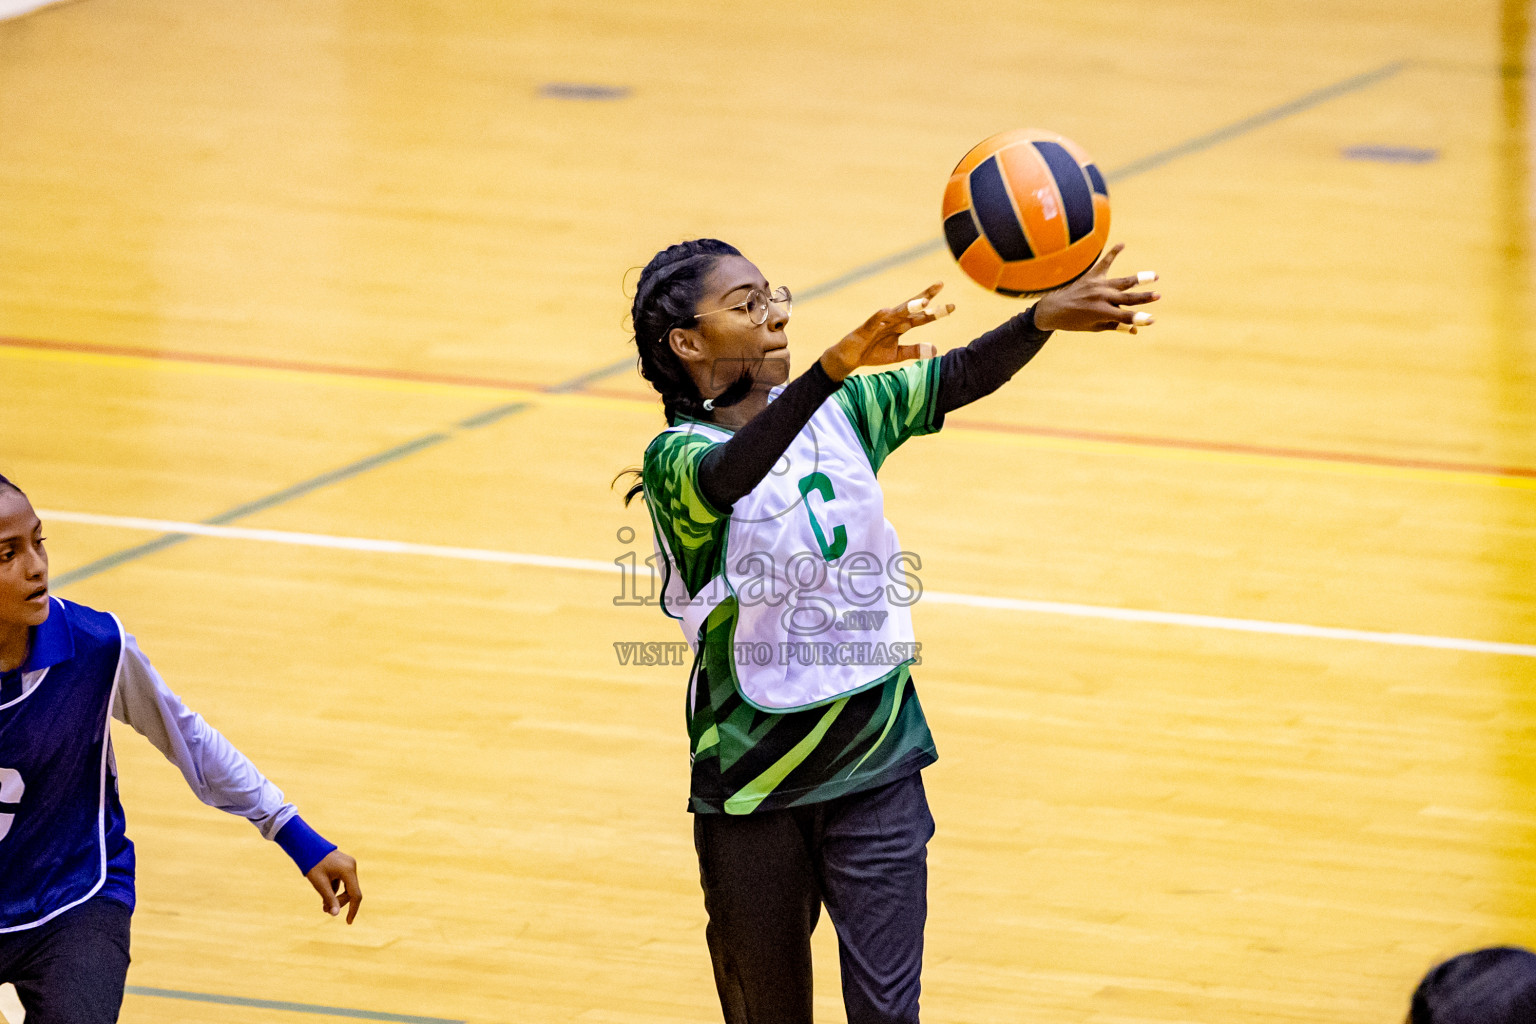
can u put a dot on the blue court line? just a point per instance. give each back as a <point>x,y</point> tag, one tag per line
<point>885,263</point>
<point>581,381</point>
<point>1259,120</point>
<point>1189,147</point>
<point>278,1004</point>
<point>314,483</point>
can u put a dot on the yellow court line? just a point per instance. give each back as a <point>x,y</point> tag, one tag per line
<point>1030,442</point>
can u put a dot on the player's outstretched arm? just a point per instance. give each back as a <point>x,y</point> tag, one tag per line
<point>1096,301</point>
<point>335,879</point>
<point>733,468</point>
<point>223,777</point>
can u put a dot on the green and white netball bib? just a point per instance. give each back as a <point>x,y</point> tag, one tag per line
<point>822,586</point>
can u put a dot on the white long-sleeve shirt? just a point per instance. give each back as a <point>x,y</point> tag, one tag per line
<point>218,773</point>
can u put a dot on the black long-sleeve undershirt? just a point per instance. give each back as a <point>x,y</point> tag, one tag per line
<point>989,362</point>
<point>732,469</point>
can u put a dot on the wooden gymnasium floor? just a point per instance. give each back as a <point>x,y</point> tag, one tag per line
<point>351,270</point>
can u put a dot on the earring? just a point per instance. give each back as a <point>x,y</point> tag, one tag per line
<point>709,405</point>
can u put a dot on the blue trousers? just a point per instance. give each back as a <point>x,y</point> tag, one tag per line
<point>72,969</point>
<point>766,877</point>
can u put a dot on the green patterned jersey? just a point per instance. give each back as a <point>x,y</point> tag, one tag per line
<point>747,758</point>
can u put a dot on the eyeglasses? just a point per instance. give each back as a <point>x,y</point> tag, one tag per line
<point>756,304</point>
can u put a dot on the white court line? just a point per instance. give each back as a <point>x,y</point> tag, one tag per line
<point>1082,611</point>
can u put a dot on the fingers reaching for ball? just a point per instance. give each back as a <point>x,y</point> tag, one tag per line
<point>1096,301</point>
<point>925,296</point>
<point>1125,284</point>
<point>920,309</point>
<point>1137,320</point>
<point>1101,268</point>
<point>875,343</point>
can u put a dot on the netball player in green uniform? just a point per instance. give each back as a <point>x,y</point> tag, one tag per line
<point>805,730</point>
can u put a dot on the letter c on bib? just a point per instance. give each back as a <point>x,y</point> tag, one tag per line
<point>819,483</point>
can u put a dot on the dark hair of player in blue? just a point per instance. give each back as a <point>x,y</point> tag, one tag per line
<point>1486,986</point>
<point>6,483</point>
<point>667,296</point>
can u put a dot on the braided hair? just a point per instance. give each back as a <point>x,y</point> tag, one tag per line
<point>667,296</point>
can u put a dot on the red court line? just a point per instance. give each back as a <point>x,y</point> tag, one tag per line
<point>1184,444</point>
<point>382,373</point>
<point>259,363</point>
<point>1247,449</point>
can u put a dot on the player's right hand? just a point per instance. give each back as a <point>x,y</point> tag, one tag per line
<point>877,342</point>
<point>1097,302</point>
<point>335,879</point>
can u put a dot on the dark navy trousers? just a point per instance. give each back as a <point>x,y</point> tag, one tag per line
<point>766,877</point>
<point>72,969</point>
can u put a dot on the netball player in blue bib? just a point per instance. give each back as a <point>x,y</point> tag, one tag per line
<point>776,558</point>
<point>66,864</point>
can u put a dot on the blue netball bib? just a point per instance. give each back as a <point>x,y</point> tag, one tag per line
<point>53,767</point>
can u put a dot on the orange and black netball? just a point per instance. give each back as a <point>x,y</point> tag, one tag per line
<point>1025,212</point>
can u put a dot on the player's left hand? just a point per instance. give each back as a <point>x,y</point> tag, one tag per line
<point>877,341</point>
<point>335,879</point>
<point>1096,302</point>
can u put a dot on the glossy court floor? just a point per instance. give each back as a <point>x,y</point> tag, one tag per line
<point>1247,733</point>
